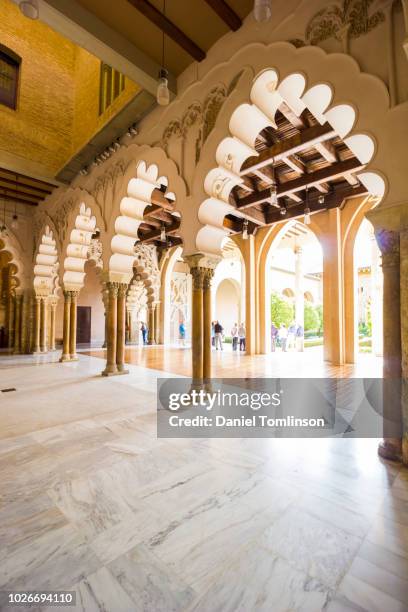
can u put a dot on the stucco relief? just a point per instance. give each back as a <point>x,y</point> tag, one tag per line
<point>179,293</point>
<point>146,263</point>
<point>108,179</point>
<point>350,20</point>
<point>95,252</point>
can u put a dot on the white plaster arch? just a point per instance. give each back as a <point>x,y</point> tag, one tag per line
<point>46,263</point>
<point>78,248</point>
<point>247,121</point>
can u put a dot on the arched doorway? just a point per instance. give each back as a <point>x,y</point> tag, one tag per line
<point>368,288</point>
<point>294,290</point>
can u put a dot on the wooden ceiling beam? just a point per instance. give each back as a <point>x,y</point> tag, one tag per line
<point>288,113</point>
<point>160,199</point>
<point>227,14</point>
<point>327,151</point>
<point>154,234</point>
<point>19,200</point>
<point>169,28</point>
<point>306,180</point>
<point>332,200</point>
<point>21,185</point>
<point>289,146</point>
<point>24,177</point>
<point>20,192</point>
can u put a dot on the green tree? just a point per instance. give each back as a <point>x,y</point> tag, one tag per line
<point>312,319</point>
<point>282,311</point>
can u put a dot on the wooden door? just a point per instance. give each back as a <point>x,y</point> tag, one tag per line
<point>83,324</point>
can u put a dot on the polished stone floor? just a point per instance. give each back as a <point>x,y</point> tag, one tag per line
<point>90,500</point>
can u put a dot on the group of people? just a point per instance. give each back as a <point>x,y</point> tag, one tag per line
<point>237,334</point>
<point>287,338</point>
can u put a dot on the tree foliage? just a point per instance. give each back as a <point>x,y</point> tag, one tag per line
<point>282,311</point>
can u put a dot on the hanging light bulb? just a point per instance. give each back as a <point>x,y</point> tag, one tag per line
<point>245,230</point>
<point>163,93</point>
<point>307,209</point>
<point>163,236</point>
<point>262,10</point>
<point>283,211</point>
<point>29,8</point>
<point>14,223</point>
<point>274,188</point>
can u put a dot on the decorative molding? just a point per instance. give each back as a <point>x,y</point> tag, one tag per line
<point>348,21</point>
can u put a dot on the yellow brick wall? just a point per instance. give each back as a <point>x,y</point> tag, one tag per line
<point>58,100</point>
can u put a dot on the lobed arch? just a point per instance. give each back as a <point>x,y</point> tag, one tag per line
<point>144,183</point>
<point>12,256</point>
<point>77,250</point>
<point>46,264</point>
<point>248,120</point>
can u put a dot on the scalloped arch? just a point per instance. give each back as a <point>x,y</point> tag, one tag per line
<point>46,263</point>
<point>78,248</point>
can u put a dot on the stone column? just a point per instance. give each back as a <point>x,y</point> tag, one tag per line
<point>111,340</point>
<point>391,445</point>
<point>299,287</point>
<point>43,327</point>
<point>17,327</point>
<point>105,299</point>
<point>248,252</point>
<point>375,306</point>
<point>53,309</point>
<point>66,327</point>
<point>73,326</point>
<point>37,325</point>
<point>121,329</point>
<point>157,324</point>
<point>197,339</point>
<point>207,318</point>
<point>11,311</point>
<point>24,322</point>
<point>404,340</point>
<point>151,337</point>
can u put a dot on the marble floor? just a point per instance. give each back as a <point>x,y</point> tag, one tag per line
<point>92,501</point>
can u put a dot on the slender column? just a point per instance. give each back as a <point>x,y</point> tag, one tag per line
<point>208,276</point>
<point>391,445</point>
<point>17,328</point>
<point>299,287</point>
<point>73,326</point>
<point>111,341</point>
<point>105,299</point>
<point>121,319</point>
<point>333,290</point>
<point>24,323</point>
<point>197,340</point>
<point>37,325</point>
<point>53,306</point>
<point>157,324</point>
<point>375,306</point>
<point>43,317</point>
<point>152,309</point>
<point>404,340</point>
<point>248,252</point>
<point>12,309</point>
<point>66,327</point>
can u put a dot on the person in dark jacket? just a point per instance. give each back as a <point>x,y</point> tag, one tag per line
<point>218,331</point>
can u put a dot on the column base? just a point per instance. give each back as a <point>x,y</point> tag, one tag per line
<point>390,449</point>
<point>64,358</point>
<point>114,372</point>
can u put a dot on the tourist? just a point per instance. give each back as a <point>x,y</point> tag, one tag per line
<point>274,337</point>
<point>283,336</point>
<point>212,333</point>
<point>300,338</point>
<point>144,331</point>
<point>241,335</point>
<point>182,333</point>
<point>218,331</point>
<point>234,335</point>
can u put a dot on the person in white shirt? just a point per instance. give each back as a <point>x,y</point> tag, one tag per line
<point>234,336</point>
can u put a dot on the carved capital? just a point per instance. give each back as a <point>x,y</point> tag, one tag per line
<point>208,276</point>
<point>67,296</point>
<point>389,245</point>
<point>198,275</point>
<point>122,290</point>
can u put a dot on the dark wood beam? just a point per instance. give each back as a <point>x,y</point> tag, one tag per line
<point>306,180</point>
<point>20,200</point>
<point>289,146</point>
<point>169,28</point>
<point>157,212</point>
<point>154,234</point>
<point>21,185</point>
<point>227,14</point>
<point>332,200</point>
<point>160,199</point>
<point>236,225</point>
<point>20,192</point>
<point>24,177</point>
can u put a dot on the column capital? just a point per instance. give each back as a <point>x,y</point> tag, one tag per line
<point>122,289</point>
<point>208,276</point>
<point>198,275</point>
<point>389,245</point>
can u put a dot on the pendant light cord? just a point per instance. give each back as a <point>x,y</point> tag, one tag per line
<point>164,14</point>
